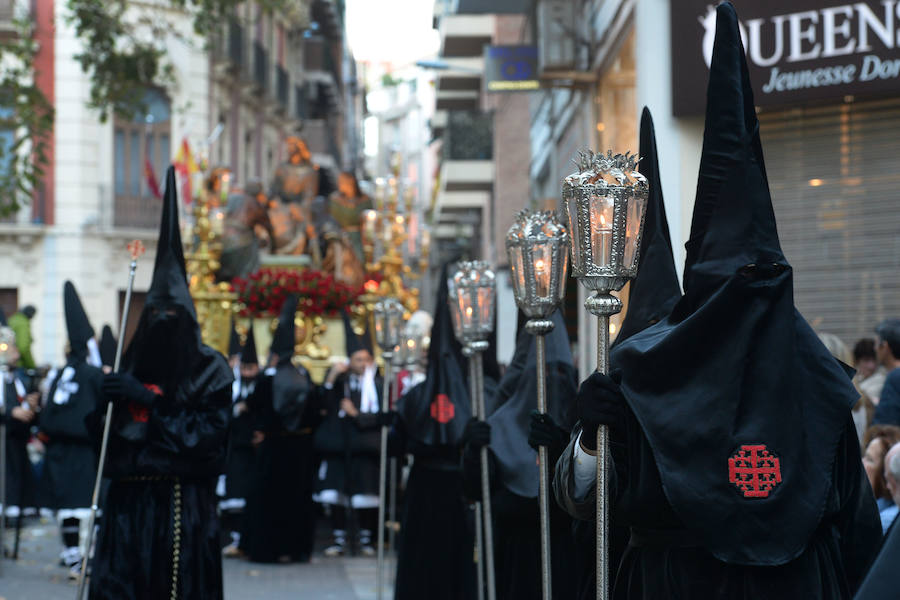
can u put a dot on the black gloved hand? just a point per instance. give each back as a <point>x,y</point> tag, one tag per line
<point>599,402</point>
<point>477,434</point>
<point>387,419</point>
<point>543,431</point>
<point>123,386</point>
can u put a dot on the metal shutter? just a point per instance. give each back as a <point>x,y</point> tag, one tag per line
<point>834,173</point>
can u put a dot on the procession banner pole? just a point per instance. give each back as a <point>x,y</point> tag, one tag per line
<point>479,521</point>
<point>137,249</point>
<point>382,472</point>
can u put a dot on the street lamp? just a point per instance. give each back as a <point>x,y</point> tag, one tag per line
<point>605,202</point>
<point>472,296</point>
<point>387,314</point>
<point>537,246</point>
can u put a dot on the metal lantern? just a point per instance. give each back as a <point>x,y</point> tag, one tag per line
<point>605,202</point>
<point>537,246</point>
<point>388,316</point>
<point>473,290</point>
<point>472,294</point>
<point>538,249</point>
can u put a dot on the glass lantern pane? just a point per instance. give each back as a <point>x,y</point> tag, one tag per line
<point>485,308</point>
<point>571,213</point>
<point>543,261</point>
<point>517,270</point>
<point>632,227</point>
<point>563,272</point>
<point>601,230</point>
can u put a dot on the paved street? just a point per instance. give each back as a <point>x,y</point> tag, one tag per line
<point>37,576</point>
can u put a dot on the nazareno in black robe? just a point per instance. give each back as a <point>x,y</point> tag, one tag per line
<point>514,473</point>
<point>159,536</point>
<point>20,484</point>
<point>436,545</point>
<point>737,468</point>
<point>280,515</point>
<point>70,463</point>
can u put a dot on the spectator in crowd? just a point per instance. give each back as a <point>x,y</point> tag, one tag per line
<point>20,323</point>
<point>887,348</point>
<point>862,410</point>
<point>869,374</point>
<point>878,440</point>
<point>892,480</point>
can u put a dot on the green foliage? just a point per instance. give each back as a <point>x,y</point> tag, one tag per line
<point>122,56</point>
<point>30,119</point>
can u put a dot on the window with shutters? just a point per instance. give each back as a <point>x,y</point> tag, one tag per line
<point>834,173</point>
<point>142,152</point>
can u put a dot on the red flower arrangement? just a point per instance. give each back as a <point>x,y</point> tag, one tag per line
<point>263,293</point>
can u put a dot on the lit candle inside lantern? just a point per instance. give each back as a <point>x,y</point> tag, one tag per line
<point>369,219</point>
<point>601,231</point>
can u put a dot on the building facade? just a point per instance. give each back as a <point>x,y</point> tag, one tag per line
<point>233,100</point>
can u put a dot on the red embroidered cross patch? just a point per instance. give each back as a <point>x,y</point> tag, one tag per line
<point>442,410</point>
<point>754,470</point>
<point>139,414</point>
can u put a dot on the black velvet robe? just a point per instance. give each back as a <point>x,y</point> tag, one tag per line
<point>20,488</point>
<point>70,462</point>
<point>280,516</point>
<point>517,538</point>
<point>664,560</point>
<point>239,468</point>
<point>159,536</point>
<point>436,547</point>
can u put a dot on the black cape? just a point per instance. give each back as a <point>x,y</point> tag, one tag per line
<point>752,381</point>
<point>70,463</point>
<point>436,411</point>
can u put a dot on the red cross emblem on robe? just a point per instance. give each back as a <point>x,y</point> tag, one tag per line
<point>442,410</point>
<point>754,470</point>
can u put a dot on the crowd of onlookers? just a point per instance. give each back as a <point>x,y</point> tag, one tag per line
<point>877,413</point>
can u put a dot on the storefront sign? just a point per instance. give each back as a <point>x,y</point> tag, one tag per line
<point>510,68</point>
<point>798,51</point>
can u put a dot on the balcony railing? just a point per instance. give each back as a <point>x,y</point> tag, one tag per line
<point>469,136</point>
<point>260,67</point>
<point>236,44</point>
<point>282,87</point>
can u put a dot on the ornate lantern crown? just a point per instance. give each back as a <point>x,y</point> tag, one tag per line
<point>605,202</point>
<point>538,249</point>
<point>472,297</point>
<point>388,316</point>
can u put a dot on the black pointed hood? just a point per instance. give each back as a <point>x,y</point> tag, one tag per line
<point>108,347</point>
<point>733,222</point>
<point>354,343</point>
<point>234,342</point>
<point>169,285</point>
<point>516,460</point>
<point>77,324</point>
<point>166,349</point>
<point>284,338</point>
<point>248,352</point>
<point>655,290</point>
<point>734,378</point>
<point>436,411</point>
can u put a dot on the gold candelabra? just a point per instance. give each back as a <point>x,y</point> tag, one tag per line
<point>215,302</point>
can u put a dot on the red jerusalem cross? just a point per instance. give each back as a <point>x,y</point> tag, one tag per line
<point>442,410</point>
<point>754,470</point>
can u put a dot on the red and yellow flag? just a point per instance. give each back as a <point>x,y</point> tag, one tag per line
<point>185,166</point>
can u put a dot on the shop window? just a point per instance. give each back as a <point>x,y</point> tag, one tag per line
<point>142,152</point>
